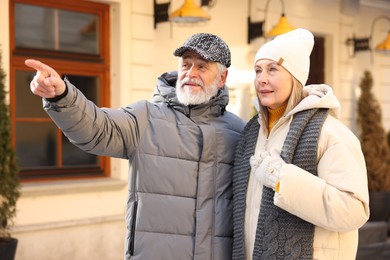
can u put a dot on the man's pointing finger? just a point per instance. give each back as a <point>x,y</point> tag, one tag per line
<point>40,67</point>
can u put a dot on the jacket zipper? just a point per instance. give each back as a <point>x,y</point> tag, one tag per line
<point>132,237</point>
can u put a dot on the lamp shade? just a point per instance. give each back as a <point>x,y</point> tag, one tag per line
<point>283,26</point>
<point>189,12</point>
<point>385,45</point>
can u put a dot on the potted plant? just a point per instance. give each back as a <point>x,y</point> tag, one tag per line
<point>9,180</point>
<point>376,150</point>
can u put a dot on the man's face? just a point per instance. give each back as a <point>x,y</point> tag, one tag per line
<point>198,79</point>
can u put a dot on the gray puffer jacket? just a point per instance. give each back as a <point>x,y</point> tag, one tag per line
<point>181,161</point>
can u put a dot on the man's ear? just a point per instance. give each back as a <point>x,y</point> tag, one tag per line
<point>223,79</point>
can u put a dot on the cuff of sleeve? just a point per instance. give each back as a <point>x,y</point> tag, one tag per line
<point>273,179</point>
<point>55,99</point>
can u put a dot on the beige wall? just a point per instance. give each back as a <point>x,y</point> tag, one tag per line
<point>85,219</point>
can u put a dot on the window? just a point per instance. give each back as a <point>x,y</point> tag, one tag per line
<point>317,62</point>
<point>73,37</point>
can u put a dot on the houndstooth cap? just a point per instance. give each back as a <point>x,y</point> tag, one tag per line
<point>208,46</point>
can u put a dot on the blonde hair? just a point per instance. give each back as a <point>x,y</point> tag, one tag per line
<point>297,94</point>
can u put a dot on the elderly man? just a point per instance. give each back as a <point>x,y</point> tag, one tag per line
<point>180,148</point>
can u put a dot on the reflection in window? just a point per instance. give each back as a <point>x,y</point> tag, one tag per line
<point>36,145</point>
<point>28,106</point>
<point>55,29</point>
<point>73,156</point>
<point>88,85</point>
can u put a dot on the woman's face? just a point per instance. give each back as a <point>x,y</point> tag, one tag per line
<point>273,83</point>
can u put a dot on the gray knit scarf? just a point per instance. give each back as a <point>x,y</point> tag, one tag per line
<point>279,234</point>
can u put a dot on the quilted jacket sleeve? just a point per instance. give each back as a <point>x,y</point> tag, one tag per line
<point>100,131</point>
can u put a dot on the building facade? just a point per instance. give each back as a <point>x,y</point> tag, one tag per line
<point>74,208</point>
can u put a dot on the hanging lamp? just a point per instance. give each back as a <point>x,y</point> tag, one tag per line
<point>364,43</point>
<point>189,12</point>
<point>283,26</point>
<point>385,45</point>
<point>255,29</point>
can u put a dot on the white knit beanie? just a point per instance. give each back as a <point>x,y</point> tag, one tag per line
<point>292,51</point>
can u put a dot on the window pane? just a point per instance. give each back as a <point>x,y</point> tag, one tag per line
<point>27,104</point>
<point>74,156</point>
<point>78,32</point>
<point>88,85</point>
<point>54,29</point>
<point>37,146</point>
<point>34,27</point>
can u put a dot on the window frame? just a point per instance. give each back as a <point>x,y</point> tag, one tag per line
<point>67,64</point>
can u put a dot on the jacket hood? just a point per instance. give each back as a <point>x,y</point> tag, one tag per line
<point>165,92</point>
<point>319,96</point>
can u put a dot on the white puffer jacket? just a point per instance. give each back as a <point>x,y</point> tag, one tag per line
<point>335,201</point>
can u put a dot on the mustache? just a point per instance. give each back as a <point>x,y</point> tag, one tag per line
<point>192,81</point>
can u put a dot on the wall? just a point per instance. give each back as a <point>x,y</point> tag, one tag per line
<point>85,219</point>
<point>341,20</point>
<point>353,66</point>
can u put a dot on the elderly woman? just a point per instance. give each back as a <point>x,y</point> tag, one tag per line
<point>300,182</point>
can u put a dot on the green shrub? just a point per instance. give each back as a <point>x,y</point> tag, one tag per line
<point>9,177</point>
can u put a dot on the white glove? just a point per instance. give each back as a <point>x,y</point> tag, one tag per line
<point>268,172</point>
<point>256,160</point>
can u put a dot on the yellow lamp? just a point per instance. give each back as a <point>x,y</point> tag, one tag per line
<point>255,29</point>
<point>365,43</point>
<point>283,26</point>
<point>189,12</point>
<point>385,45</point>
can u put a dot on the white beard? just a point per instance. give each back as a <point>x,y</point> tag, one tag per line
<point>185,97</point>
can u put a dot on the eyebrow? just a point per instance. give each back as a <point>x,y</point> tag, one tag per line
<point>267,64</point>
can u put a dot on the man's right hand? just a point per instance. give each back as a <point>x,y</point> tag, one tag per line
<point>47,83</point>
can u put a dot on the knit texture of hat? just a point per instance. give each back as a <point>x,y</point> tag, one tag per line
<point>291,50</point>
<point>208,46</point>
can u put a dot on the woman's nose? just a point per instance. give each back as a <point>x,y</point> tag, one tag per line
<point>262,78</point>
